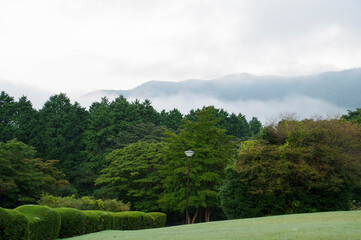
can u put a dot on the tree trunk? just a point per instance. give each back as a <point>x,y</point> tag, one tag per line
<point>207,214</point>
<point>195,215</point>
<point>200,214</point>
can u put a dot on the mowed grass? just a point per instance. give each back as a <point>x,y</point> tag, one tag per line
<point>329,225</point>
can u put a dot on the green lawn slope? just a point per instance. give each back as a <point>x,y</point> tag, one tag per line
<point>329,225</point>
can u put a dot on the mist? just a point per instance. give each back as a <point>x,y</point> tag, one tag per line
<point>266,111</point>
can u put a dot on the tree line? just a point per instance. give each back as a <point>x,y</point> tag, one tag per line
<point>80,139</point>
<point>129,151</point>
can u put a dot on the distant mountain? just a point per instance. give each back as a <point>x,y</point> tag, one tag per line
<point>341,89</point>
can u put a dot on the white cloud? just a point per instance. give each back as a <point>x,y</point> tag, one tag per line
<point>37,96</point>
<point>302,106</point>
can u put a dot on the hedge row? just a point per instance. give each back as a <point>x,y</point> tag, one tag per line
<point>44,222</point>
<point>33,222</point>
<point>13,225</point>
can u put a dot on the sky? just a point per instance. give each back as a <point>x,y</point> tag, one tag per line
<point>87,45</point>
<point>80,46</point>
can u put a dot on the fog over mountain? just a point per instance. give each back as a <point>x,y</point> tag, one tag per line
<point>326,94</point>
<point>266,97</point>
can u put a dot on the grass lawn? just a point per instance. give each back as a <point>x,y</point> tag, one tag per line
<point>329,225</point>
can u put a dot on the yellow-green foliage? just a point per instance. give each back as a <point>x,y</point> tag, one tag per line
<point>159,219</point>
<point>113,205</point>
<point>84,203</point>
<point>98,220</point>
<point>13,225</point>
<point>73,222</point>
<point>44,222</point>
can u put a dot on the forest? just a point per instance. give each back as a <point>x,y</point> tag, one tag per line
<point>130,152</point>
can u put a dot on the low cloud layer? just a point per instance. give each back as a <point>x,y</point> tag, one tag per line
<point>265,111</point>
<point>16,90</point>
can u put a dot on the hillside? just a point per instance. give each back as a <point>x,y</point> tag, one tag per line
<point>328,225</point>
<point>339,88</point>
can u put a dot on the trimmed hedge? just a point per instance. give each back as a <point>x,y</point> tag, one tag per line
<point>159,219</point>
<point>36,222</point>
<point>73,222</point>
<point>44,222</point>
<point>98,221</point>
<point>13,225</point>
<point>132,221</point>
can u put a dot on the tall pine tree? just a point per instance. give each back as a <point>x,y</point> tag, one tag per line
<point>213,150</point>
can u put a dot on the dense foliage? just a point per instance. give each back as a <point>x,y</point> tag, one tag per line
<point>77,144</point>
<point>129,151</point>
<point>213,150</point>
<point>14,225</point>
<point>24,178</point>
<point>84,203</point>
<point>133,175</point>
<point>73,222</point>
<point>37,222</point>
<point>98,221</point>
<point>297,166</point>
<point>44,222</point>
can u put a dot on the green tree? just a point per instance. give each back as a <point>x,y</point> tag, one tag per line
<point>119,123</point>
<point>236,125</point>
<point>133,175</point>
<point>353,116</point>
<point>98,133</point>
<point>255,126</point>
<point>7,116</point>
<point>22,178</point>
<point>306,166</point>
<point>60,133</point>
<point>213,150</point>
<point>172,119</point>
<point>25,121</point>
<point>18,119</point>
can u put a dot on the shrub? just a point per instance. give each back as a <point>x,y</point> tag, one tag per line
<point>113,205</point>
<point>132,221</point>
<point>238,199</point>
<point>158,218</point>
<point>44,222</point>
<point>55,202</point>
<point>13,225</point>
<point>84,203</point>
<point>89,203</point>
<point>73,222</point>
<point>118,221</point>
<point>98,221</point>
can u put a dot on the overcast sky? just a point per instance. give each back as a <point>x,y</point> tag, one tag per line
<point>86,45</point>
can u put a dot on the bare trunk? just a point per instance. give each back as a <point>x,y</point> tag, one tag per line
<point>207,214</point>
<point>195,216</point>
<point>200,214</point>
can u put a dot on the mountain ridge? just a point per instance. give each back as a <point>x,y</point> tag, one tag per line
<point>340,88</point>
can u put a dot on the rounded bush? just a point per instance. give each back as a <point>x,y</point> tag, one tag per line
<point>13,225</point>
<point>158,218</point>
<point>98,221</point>
<point>73,222</point>
<point>44,222</point>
